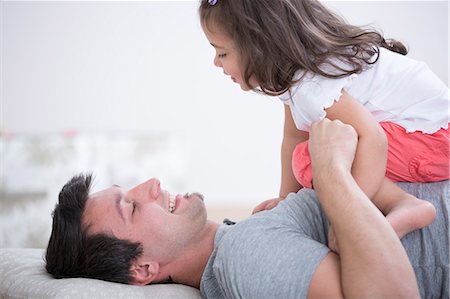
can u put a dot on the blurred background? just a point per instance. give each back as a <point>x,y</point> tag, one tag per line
<point>128,91</point>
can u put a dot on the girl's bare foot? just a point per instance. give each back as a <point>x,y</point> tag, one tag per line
<point>410,214</point>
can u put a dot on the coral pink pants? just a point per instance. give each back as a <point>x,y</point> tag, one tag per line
<point>412,157</point>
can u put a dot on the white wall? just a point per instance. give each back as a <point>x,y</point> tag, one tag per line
<point>146,67</point>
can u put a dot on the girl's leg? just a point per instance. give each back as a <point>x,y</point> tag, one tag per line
<point>413,157</point>
<point>403,211</point>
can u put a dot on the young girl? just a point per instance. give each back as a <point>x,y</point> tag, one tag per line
<point>320,66</point>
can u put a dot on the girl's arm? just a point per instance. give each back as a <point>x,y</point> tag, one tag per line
<point>369,166</point>
<point>291,137</point>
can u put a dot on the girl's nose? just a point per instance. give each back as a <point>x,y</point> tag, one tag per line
<point>217,61</point>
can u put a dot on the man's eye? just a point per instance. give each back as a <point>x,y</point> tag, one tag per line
<point>221,55</point>
<point>134,208</point>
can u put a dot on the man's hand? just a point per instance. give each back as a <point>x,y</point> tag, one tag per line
<point>331,144</point>
<point>363,235</point>
<point>267,205</point>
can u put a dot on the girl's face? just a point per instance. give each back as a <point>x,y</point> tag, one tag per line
<point>227,57</point>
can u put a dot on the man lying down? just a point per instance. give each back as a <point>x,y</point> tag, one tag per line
<point>146,235</point>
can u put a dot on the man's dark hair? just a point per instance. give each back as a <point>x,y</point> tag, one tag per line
<point>72,252</point>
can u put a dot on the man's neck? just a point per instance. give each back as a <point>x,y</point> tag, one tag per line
<point>190,269</point>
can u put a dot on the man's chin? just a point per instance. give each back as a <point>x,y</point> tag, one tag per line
<point>198,195</point>
<point>197,206</point>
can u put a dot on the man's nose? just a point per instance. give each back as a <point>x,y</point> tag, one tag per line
<point>149,190</point>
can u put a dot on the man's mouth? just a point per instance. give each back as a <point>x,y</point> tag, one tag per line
<point>172,203</point>
<point>173,200</point>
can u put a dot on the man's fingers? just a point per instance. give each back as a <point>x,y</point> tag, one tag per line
<point>332,142</point>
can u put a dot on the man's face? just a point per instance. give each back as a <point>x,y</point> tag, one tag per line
<point>143,214</point>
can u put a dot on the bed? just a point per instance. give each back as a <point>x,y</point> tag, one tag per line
<point>22,275</point>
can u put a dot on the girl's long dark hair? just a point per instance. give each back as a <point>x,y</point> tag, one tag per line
<point>276,38</point>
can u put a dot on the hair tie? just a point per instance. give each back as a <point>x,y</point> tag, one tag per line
<point>212,2</point>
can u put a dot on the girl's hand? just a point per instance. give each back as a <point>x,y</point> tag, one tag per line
<point>267,205</point>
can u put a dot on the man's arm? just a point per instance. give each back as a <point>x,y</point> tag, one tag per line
<point>373,262</point>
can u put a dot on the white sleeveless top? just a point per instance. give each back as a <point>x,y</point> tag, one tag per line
<point>395,89</point>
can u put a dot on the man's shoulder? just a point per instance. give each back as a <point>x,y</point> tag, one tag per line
<point>299,215</point>
<point>269,240</point>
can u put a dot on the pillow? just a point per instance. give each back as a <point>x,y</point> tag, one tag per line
<point>22,275</point>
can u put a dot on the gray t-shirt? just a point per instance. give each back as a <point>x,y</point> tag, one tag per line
<point>274,254</point>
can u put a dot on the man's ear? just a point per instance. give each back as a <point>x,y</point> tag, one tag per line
<point>143,272</point>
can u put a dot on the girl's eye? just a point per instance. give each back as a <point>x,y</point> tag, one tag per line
<point>221,55</point>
